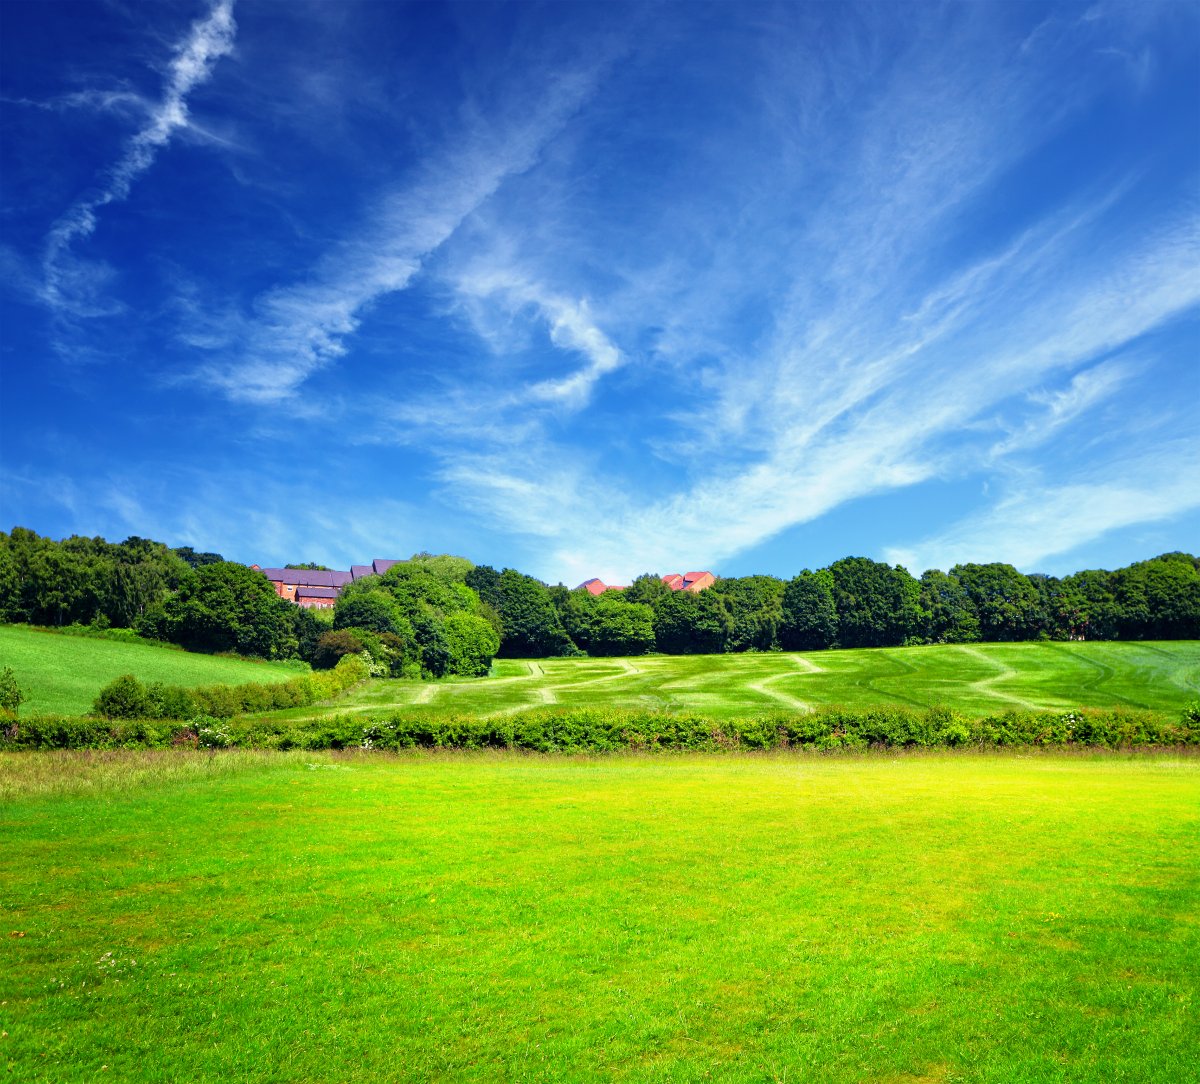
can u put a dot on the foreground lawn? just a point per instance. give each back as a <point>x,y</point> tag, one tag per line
<point>463,918</point>
<point>975,679</point>
<point>62,674</point>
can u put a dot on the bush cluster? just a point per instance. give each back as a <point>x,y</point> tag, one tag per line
<point>127,698</point>
<point>595,730</point>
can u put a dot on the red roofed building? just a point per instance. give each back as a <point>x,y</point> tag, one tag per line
<point>596,586</point>
<point>316,598</point>
<point>689,581</point>
<point>318,589</point>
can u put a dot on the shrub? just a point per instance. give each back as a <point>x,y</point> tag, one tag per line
<point>11,693</point>
<point>122,698</point>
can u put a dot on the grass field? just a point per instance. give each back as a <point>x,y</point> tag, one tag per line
<point>63,674</point>
<point>465,918</point>
<point>978,678</point>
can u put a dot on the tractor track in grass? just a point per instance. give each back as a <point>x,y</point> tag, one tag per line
<point>1102,678</point>
<point>890,696</point>
<point>627,668</point>
<point>984,685</point>
<point>801,665</point>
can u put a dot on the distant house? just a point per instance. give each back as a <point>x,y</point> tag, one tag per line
<point>689,581</point>
<point>598,587</point>
<point>317,598</point>
<point>319,590</point>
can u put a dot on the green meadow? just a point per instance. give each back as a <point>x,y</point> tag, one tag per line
<point>974,678</point>
<point>300,917</point>
<point>61,674</point>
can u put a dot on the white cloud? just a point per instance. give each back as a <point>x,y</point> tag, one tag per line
<point>76,286</point>
<point>1038,520</point>
<point>298,329</point>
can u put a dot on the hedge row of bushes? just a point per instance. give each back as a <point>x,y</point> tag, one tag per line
<point>593,730</point>
<point>127,698</point>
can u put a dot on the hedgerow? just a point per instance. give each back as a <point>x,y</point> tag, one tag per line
<point>599,730</point>
<point>127,698</point>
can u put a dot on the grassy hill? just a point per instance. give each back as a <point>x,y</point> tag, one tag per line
<point>976,678</point>
<point>63,674</point>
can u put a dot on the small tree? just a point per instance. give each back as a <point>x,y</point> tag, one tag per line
<point>11,693</point>
<point>123,698</point>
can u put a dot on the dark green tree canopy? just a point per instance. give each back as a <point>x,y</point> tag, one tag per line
<point>692,624</point>
<point>809,619</point>
<point>876,603</point>
<point>947,615</point>
<point>755,605</point>
<point>400,618</point>
<point>229,607</point>
<point>1006,602</point>
<point>608,625</point>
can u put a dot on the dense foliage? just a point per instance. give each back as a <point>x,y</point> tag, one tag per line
<point>598,730</point>
<point>439,615</point>
<point>126,697</point>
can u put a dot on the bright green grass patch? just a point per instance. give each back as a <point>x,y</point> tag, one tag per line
<point>975,679</point>
<point>950,918</point>
<point>63,674</point>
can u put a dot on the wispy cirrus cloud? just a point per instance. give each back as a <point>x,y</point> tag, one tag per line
<point>72,284</point>
<point>910,411</point>
<point>296,330</point>
<point>1035,520</point>
<point>782,386</point>
<point>247,516</point>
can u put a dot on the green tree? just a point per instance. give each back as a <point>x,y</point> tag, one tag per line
<point>876,603</point>
<point>1099,613</point>
<point>122,698</point>
<point>648,589</point>
<point>472,643</point>
<point>1159,599</point>
<point>333,644</point>
<point>11,693</point>
<point>368,609</point>
<point>229,607</point>
<point>755,605</point>
<point>1006,602</point>
<point>606,624</point>
<point>197,560</point>
<point>692,624</point>
<point>947,615</point>
<point>532,626</point>
<point>10,585</point>
<point>809,616</point>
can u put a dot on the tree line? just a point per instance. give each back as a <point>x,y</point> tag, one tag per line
<point>437,615</point>
<point>854,602</point>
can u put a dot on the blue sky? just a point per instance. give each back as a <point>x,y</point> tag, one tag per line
<point>604,289</point>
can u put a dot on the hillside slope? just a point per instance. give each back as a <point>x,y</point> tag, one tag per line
<point>63,674</point>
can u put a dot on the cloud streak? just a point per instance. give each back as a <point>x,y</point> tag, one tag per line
<point>69,283</point>
<point>1039,520</point>
<point>299,329</point>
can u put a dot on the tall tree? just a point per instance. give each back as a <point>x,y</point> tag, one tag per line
<point>755,605</point>
<point>947,614</point>
<point>809,620</point>
<point>688,624</point>
<point>876,603</point>
<point>1006,602</point>
<point>1160,598</point>
<point>608,625</point>
<point>229,607</point>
